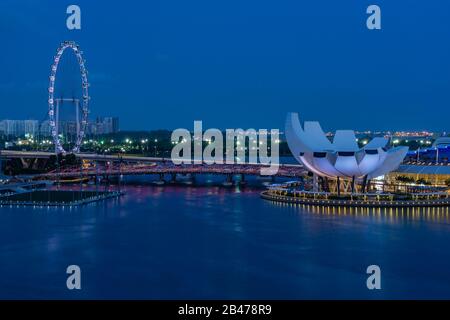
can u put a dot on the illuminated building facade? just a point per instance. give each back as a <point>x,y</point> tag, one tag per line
<point>341,158</point>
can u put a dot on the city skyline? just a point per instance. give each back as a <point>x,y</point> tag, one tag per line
<point>33,122</point>
<point>22,127</point>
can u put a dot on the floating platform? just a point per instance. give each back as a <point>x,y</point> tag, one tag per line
<point>444,202</point>
<point>57,198</point>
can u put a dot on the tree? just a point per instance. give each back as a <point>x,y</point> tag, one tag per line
<point>423,181</point>
<point>447,182</point>
<point>404,179</point>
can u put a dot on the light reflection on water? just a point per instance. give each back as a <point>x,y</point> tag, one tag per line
<point>179,242</point>
<point>437,214</point>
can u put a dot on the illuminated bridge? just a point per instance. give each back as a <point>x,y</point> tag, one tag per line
<point>113,165</point>
<point>9,154</point>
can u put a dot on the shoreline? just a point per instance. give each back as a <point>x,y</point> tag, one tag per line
<point>266,195</point>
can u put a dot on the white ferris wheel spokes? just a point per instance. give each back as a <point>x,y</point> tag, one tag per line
<point>52,109</point>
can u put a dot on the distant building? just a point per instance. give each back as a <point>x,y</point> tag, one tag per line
<point>7,127</point>
<point>44,129</point>
<point>31,127</point>
<point>19,128</point>
<point>111,124</point>
<point>107,125</point>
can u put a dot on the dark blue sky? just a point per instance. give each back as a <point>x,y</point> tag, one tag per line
<point>238,63</point>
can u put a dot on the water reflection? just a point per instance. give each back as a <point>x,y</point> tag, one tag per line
<point>180,242</point>
<point>436,214</point>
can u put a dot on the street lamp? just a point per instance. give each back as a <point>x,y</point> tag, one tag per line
<point>142,146</point>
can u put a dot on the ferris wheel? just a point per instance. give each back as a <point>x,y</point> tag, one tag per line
<point>53,104</point>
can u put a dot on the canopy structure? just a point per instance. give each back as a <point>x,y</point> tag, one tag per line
<point>341,157</point>
<point>442,141</point>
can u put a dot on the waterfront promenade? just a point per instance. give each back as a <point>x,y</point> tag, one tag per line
<point>435,200</point>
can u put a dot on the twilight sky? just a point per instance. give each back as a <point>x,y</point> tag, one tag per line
<point>237,63</point>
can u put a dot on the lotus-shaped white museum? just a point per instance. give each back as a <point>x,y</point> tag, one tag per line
<point>342,157</point>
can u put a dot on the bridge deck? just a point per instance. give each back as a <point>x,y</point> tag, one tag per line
<point>169,168</point>
<point>137,165</point>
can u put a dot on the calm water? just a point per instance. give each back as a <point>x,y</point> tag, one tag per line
<point>211,242</point>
